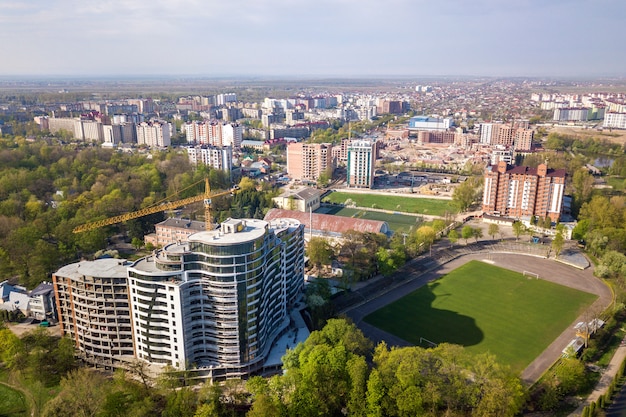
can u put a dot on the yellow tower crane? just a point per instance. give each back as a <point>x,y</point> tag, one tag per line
<point>206,197</point>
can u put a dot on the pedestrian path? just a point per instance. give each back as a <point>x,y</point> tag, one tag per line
<point>608,375</point>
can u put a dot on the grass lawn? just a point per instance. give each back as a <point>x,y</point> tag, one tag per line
<point>12,402</point>
<point>617,183</point>
<point>485,308</point>
<point>397,222</point>
<point>428,206</point>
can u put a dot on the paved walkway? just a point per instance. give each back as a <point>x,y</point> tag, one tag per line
<point>426,269</point>
<point>605,381</point>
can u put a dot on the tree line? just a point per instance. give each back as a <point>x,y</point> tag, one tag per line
<point>47,190</point>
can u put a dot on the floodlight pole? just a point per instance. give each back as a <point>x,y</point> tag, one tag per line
<point>310,222</point>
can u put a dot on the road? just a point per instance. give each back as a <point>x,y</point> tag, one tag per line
<point>547,269</point>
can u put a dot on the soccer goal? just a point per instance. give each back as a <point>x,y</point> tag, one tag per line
<point>531,275</point>
<point>423,339</point>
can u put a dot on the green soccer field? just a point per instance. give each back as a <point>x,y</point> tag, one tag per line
<point>486,309</point>
<point>430,206</point>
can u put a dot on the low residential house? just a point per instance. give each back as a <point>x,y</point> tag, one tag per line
<point>38,303</point>
<point>14,298</point>
<point>302,200</point>
<point>173,230</point>
<point>42,303</point>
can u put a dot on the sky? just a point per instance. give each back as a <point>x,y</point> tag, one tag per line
<point>322,38</point>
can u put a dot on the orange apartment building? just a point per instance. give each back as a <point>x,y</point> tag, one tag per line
<point>307,161</point>
<point>521,191</point>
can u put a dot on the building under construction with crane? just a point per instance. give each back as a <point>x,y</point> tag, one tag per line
<point>216,302</point>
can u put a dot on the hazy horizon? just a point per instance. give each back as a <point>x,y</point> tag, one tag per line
<point>322,39</point>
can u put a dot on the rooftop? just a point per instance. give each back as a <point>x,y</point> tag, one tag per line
<point>110,267</point>
<point>328,222</point>
<point>183,224</point>
<point>252,230</point>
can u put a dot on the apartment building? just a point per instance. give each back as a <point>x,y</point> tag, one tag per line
<point>523,140</point>
<point>219,300</point>
<point>522,191</point>
<point>232,134</point>
<point>154,134</point>
<point>360,164</point>
<point>615,120</point>
<point>571,114</point>
<point>213,156</point>
<point>119,133</point>
<point>515,135</point>
<point>214,133</point>
<point>94,310</point>
<point>307,161</point>
<point>443,137</point>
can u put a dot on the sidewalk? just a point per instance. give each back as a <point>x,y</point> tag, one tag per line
<point>605,381</point>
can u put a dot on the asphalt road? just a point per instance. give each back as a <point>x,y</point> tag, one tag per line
<point>547,269</point>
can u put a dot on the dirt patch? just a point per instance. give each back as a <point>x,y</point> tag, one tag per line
<point>20,328</point>
<point>613,136</point>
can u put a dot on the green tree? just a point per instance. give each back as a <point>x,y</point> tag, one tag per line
<point>493,230</point>
<point>263,406</point>
<point>465,194</point>
<point>320,252</point>
<point>467,232</point>
<point>375,395</point>
<point>12,352</point>
<point>557,243</point>
<point>439,225</point>
<point>453,236</point>
<point>389,260</point>
<point>247,184</point>
<point>83,393</point>
<point>477,233</point>
<point>181,402</point>
<point>137,243</point>
<point>570,375</point>
<point>425,236</point>
<point>612,265</point>
<point>582,182</point>
<point>518,229</point>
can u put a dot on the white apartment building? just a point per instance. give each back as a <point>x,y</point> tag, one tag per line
<point>154,134</point>
<point>486,133</point>
<point>360,164</point>
<point>575,114</point>
<point>196,132</point>
<point>215,157</point>
<point>232,134</point>
<point>220,300</point>
<point>615,120</point>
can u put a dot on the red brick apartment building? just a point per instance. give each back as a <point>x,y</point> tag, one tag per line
<point>521,191</point>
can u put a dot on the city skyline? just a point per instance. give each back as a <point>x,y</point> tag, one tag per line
<point>326,38</point>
